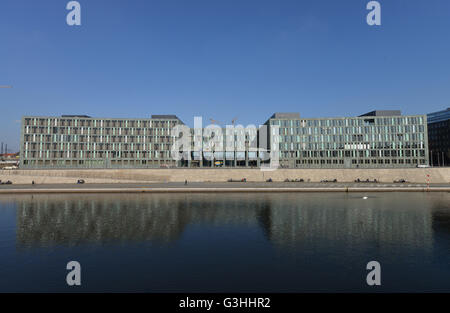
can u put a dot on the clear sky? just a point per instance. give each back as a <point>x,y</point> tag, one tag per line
<point>221,59</point>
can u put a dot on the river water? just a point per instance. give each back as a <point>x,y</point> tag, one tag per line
<point>252,242</point>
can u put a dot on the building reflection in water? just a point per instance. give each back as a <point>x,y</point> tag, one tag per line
<point>384,219</point>
<point>47,220</point>
<point>287,220</point>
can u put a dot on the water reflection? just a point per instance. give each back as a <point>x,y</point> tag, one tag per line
<point>351,222</point>
<point>124,218</point>
<point>287,220</point>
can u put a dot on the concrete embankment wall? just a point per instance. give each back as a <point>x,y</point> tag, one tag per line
<point>413,175</point>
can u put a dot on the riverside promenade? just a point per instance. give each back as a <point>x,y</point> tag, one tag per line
<point>216,180</point>
<point>220,175</point>
<point>232,187</point>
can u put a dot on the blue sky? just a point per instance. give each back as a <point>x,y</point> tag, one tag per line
<point>221,59</point>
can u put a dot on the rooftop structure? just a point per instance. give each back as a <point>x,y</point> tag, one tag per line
<point>383,113</point>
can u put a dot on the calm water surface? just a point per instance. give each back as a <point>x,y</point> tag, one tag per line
<point>225,242</point>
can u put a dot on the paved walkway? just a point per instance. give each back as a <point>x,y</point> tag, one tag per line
<point>222,187</point>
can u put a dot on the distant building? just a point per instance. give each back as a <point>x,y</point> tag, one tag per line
<point>9,156</point>
<point>378,139</point>
<point>439,137</point>
<point>8,160</point>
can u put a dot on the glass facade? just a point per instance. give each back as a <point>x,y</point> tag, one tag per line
<point>350,142</point>
<point>353,142</point>
<point>231,147</point>
<point>439,138</point>
<point>84,142</point>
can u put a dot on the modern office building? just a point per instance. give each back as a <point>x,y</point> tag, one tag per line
<point>439,137</point>
<point>376,139</point>
<point>79,141</point>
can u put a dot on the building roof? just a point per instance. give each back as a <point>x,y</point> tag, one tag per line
<point>291,115</point>
<point>439,116</point>
<point>383,113</point>
<point>84,116</point>
<point>165,117</point>
<point>9,155</point>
